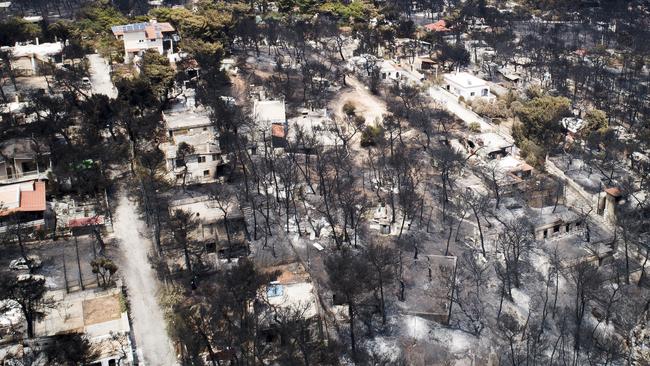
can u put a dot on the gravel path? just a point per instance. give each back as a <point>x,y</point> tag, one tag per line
<point>152,341</point>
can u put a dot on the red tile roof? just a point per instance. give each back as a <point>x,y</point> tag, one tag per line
<point>439,26</point>
<point>86,221</point>
<point>613,191</point>
<point>33,200</point>
<point>277,130</point>
<point>29,197</point>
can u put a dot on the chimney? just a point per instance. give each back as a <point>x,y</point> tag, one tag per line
<point>153,21</point>
<point>37,41</point>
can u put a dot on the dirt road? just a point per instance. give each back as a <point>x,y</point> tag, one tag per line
<point>153,343</point>
<point>368,105</point>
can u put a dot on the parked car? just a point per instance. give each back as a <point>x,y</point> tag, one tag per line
<point>85,82</point>
<point>27,276</point>
<point>21,263</point>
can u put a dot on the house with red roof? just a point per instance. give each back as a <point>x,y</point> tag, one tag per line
<point>439,26</point>
<point>24,200</point>
<point>139,37</point>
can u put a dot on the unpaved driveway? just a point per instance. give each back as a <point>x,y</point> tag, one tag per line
<point>369,106</point>
<point>100,76</point>
<point>152,341</point>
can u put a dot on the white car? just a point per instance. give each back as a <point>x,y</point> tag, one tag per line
<point>85,82</point>
<point>21,263</point>
<point>27,276</point>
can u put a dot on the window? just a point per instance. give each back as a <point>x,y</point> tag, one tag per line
<point>206,173</point>
<point>578,223</point>
<point>484,92</point>
<point>545,234</point>
<point>568,227</point>
<point>556,228</point>
<point>180,162</point>
<point>112,362</point>
<point>215,157</point>
<point>179,176</point>
<point>201,159</point>
<point>211,247</point>
<point>472,94</point>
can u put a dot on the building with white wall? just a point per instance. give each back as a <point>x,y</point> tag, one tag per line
<point>140,37</point>
<point>466,85</point>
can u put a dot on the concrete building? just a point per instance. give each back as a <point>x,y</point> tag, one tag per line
<point>206,162</point>
<point>309,129</point>
<point>550,222</point>
<point>292,292</point>
<point>26,199</point>
<point>22,160</point>
<point>271,119</point>
<point>139,37</point>
<point>99,315</point>
<point>489,145</point>
<point>466,85</point>
<point>269,112</point>
<point>292,289</point>
<point>27,59</point>
<point>222,233</point>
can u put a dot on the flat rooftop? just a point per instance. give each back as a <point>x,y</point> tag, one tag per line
<point>96,314</point>
<point>206,209</point>
<point>465,79</point>
<point>312,123</point>
<point>43,49</point>
<point>269,111</point>
<point>551,215</point>
<point>20,148</point>
<point>186,119</point>
<point>293,288</point>
<point>203,143</point>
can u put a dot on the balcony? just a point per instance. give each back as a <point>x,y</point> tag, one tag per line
<point>24,177</point>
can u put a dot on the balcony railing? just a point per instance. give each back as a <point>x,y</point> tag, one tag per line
<point>25,176</point>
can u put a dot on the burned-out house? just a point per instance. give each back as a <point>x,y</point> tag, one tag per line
<point>509,174</point>
<point>489,144</point>
<point>554,221</point>
<point>221,228</point>
<point>204,161</point>
<point>311,128</point>
<point>292,292</point>
<point>22,160</point>
<point>271,118</point>
<point>427,287</point>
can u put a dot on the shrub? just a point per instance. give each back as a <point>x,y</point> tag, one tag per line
<point>359,120</point>
<point>533,154</point>
<point>475,127</point>
<point>596,120</point>
<point>349,109</point>
<point>371,136</point>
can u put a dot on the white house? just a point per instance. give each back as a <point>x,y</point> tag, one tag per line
<point>466,85</point>
<point>140,37</point>
<point>269,112</point>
